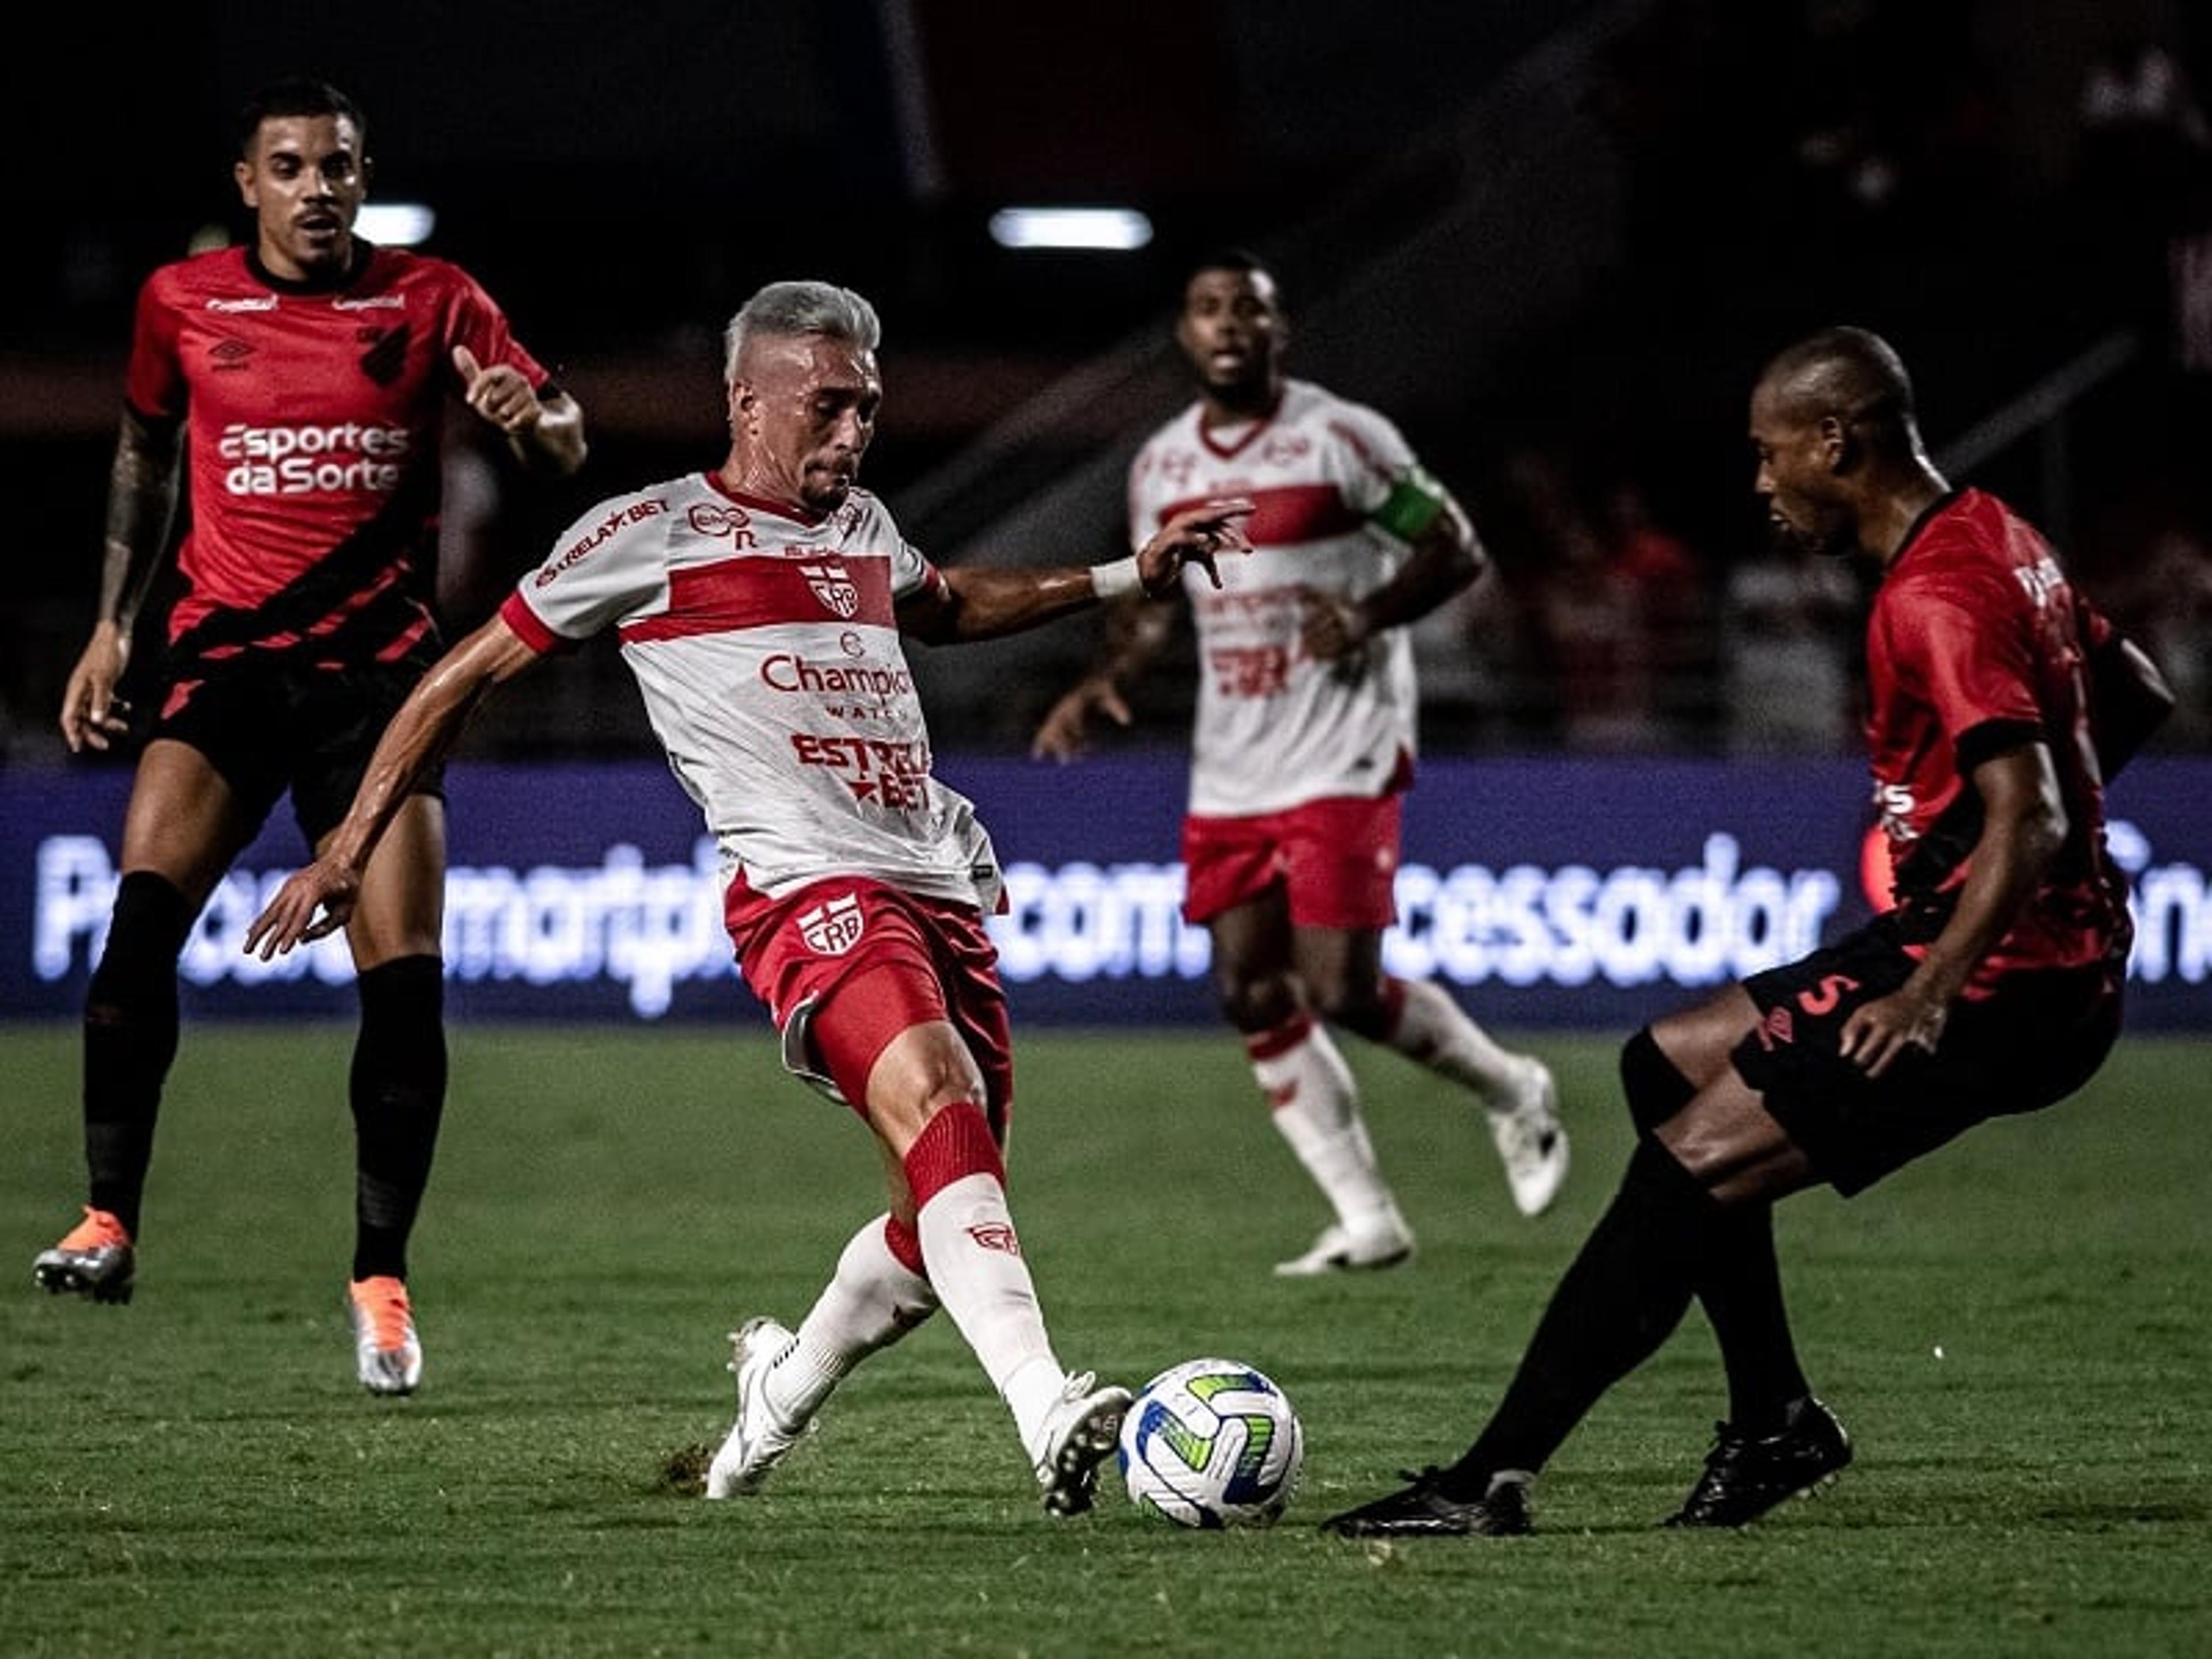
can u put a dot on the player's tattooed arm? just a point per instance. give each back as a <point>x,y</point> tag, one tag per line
<point>144,483</point>
<point>142,488</point>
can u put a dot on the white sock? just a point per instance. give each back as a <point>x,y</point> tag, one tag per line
<point>871,1301</point>
<point>1435,1031</point>
<point>1316,1109</point>
<point>975,1262</point>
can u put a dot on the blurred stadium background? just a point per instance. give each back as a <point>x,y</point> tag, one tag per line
<point>1553,239</point>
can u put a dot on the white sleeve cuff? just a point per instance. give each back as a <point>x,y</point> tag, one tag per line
<point>1116,578</point>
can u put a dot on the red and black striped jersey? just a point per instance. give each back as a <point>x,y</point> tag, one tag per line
<point>312,416</point>
<point>1976,641</point>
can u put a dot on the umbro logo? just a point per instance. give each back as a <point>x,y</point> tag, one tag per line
<point>230,354</point>
<point>1777,1030</point>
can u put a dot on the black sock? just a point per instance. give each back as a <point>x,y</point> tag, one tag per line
<point>399,1096</point>
<point>1740,1286</point>
<point>1620,1299</point>
<point>129,1039</point>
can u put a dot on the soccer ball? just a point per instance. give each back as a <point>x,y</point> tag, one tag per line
<point>1212,1443</point>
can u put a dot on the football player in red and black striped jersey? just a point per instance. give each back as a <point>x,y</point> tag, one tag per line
<point>296,386</point>
<point>1999,701</point>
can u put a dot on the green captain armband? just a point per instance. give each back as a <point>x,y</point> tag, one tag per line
<point>1416,501</point>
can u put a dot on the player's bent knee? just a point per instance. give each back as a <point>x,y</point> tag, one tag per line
<point>1654,1085</point>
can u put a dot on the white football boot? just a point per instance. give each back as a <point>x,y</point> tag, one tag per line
<point>1339,1249</point>
<point>1531,1141</point>
<point>759,1437</point>
<point>1077,1434</point>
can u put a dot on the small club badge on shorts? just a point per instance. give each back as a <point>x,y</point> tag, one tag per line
<point>834,926</point>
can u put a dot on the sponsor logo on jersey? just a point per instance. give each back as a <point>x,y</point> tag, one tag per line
<point>785,672</point>
<point>886,771</point>
<point>371,302</point>
<point>304,460</point>
<point>230,354</point>
<point>261,303</point>
<point>834,926</point>
<point>719,518</point>
<point>2041,581</point>
<point>1178,467</point>
<point>836,589</point>
<point>1252,672</point>
<point>1284,447</point>
<point>1894,804</point>
<point>597,535</point>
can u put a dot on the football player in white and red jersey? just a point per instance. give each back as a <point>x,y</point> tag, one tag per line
<point>1303,747</point>
<point>299,383</point>
<point>1999,701</point>
<point>762,607</point>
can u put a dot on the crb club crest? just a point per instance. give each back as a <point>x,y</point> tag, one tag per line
<point>833,926</point>
<point>837,591</point>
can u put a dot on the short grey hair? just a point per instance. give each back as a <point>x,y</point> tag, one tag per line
<point>792,310</point>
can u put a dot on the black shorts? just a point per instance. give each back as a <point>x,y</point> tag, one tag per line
<point>269,729</point>
<point>2035,1041</point>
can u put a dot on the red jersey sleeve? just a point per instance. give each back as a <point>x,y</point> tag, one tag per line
<point>1962,648</point>
<point>154,384</point>
<point>475,321</point>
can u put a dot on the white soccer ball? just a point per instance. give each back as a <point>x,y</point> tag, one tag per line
<point>1212,1443</point>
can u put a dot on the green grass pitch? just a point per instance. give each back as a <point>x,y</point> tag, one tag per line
<point>2015,1331</point>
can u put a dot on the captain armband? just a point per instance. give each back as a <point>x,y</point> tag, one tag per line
<point>1415,502</point>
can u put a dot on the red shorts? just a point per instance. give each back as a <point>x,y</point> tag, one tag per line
<point>845,965</point>
<point>1336,859</point>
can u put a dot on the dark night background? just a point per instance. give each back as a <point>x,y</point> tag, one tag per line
<point>1553,240</point>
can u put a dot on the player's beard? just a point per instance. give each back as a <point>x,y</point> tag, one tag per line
<point>824,489</point>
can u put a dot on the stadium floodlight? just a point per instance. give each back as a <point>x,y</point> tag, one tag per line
<point>1110,230</point>
<point>396,224</point>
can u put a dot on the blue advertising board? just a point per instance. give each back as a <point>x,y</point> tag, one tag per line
<point>1562,893</point>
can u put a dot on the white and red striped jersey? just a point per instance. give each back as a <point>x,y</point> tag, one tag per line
<point>766,647</point>
<point>1275,727</point>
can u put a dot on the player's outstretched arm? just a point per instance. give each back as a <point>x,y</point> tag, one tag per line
<point>979,602</point>
<point>319,898</point>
